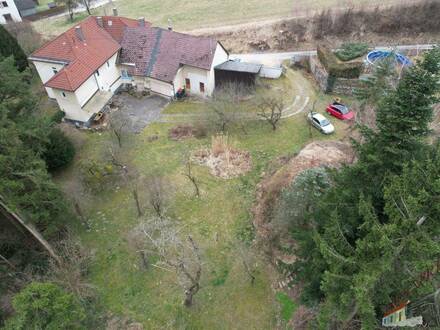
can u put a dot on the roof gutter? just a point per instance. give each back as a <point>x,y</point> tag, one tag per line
<point>45,60</point>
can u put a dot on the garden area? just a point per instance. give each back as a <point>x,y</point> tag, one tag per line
<point>237,281</point>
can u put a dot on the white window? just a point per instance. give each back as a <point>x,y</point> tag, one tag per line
<point>5,4</point>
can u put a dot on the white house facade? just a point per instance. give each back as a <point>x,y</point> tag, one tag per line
<point>9,12</point>
<point>82,68</point>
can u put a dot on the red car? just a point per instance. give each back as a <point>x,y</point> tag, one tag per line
<point>340,111</point>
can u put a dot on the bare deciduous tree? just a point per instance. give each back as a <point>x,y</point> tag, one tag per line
<point>181,256</point>
<point>70,271</point>
<point>225,105</point>
<point>70,5</point>
<point>249,259</point>
<point>270,108</point>
<point>158,193</point>
<point>136,241</point>
<point>87,4</point>
<point>189,174</point>
<point>119,126</point>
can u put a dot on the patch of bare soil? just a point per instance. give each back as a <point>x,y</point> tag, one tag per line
<point>181,132</point>
<point>315,154</point>
<point>226,164</point>
<point>224,160</point>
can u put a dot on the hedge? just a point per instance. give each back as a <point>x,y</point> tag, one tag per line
<point>350,51</point>
<point>335,68</point>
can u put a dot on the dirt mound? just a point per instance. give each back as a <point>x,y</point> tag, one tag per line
<point>328,153</point>
<point>225,164</point>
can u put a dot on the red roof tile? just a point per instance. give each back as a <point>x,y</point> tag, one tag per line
<point>158,53</point>
<point>83,58</point>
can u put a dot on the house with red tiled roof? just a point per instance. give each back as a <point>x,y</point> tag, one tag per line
<point>83,67</point>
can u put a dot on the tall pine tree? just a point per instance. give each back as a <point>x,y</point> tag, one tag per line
<point>9,46</point>
<point>375,230</point>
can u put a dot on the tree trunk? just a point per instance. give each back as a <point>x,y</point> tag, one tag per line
<point>16,219</point>
<point>86,4</point>
<point>136,199</point>
<point>189,295</point>
<point>144,259</point>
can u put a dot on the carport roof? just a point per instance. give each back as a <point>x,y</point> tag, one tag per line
<point>237,66</point>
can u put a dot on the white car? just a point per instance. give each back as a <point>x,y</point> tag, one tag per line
<point>320,122</point>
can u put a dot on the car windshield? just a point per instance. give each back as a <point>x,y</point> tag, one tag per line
<point>342,108</point>
<point>325,122</point>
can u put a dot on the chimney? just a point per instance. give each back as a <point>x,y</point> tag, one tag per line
<point>115,11</point>
<point>100,21</point>
<point>141,21</point>
<point>170,24</point>
<point>79,33</point>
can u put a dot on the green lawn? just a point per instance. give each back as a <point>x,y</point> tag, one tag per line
<point>217,220</point>
<point>187,14</point>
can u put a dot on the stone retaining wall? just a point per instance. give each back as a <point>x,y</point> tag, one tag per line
<point>330,84</point>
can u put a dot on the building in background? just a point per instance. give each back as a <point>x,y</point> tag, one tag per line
<point>9,12</point>
<point>26,7</point>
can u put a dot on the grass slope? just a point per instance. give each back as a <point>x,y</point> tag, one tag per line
<point>227,300</point>
<point>188,14</point>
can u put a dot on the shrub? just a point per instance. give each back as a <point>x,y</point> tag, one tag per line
<point>57,117</point>
<point>288,307</point>
<point>59,151</point>
<point>336,68</point>
<point>45,306</point>
<point>350,51</point>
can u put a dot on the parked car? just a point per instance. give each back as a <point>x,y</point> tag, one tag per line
<point>320,122</point>
<point>340,111</point>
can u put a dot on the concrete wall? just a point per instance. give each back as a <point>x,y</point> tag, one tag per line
<point>220,57</point>
<point>160,87</point>
<point>45,71</point>
<point>86,91</point>
<point>11,9</point>
<point>196,76</point>
<point>109,73</point>
<point>70,106</point>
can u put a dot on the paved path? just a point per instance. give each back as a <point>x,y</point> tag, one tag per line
<point>81,8</point>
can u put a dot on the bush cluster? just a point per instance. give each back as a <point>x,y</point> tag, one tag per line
<point>335,68</point>
<point>350,51</point>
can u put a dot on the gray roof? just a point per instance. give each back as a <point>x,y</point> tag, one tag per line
<point>239,67</point>
<point>25,4</point>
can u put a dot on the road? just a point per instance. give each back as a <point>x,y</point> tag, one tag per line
<point>81,8</point>
<point>275,59</point>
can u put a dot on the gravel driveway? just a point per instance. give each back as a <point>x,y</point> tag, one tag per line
<point>139,112</point>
